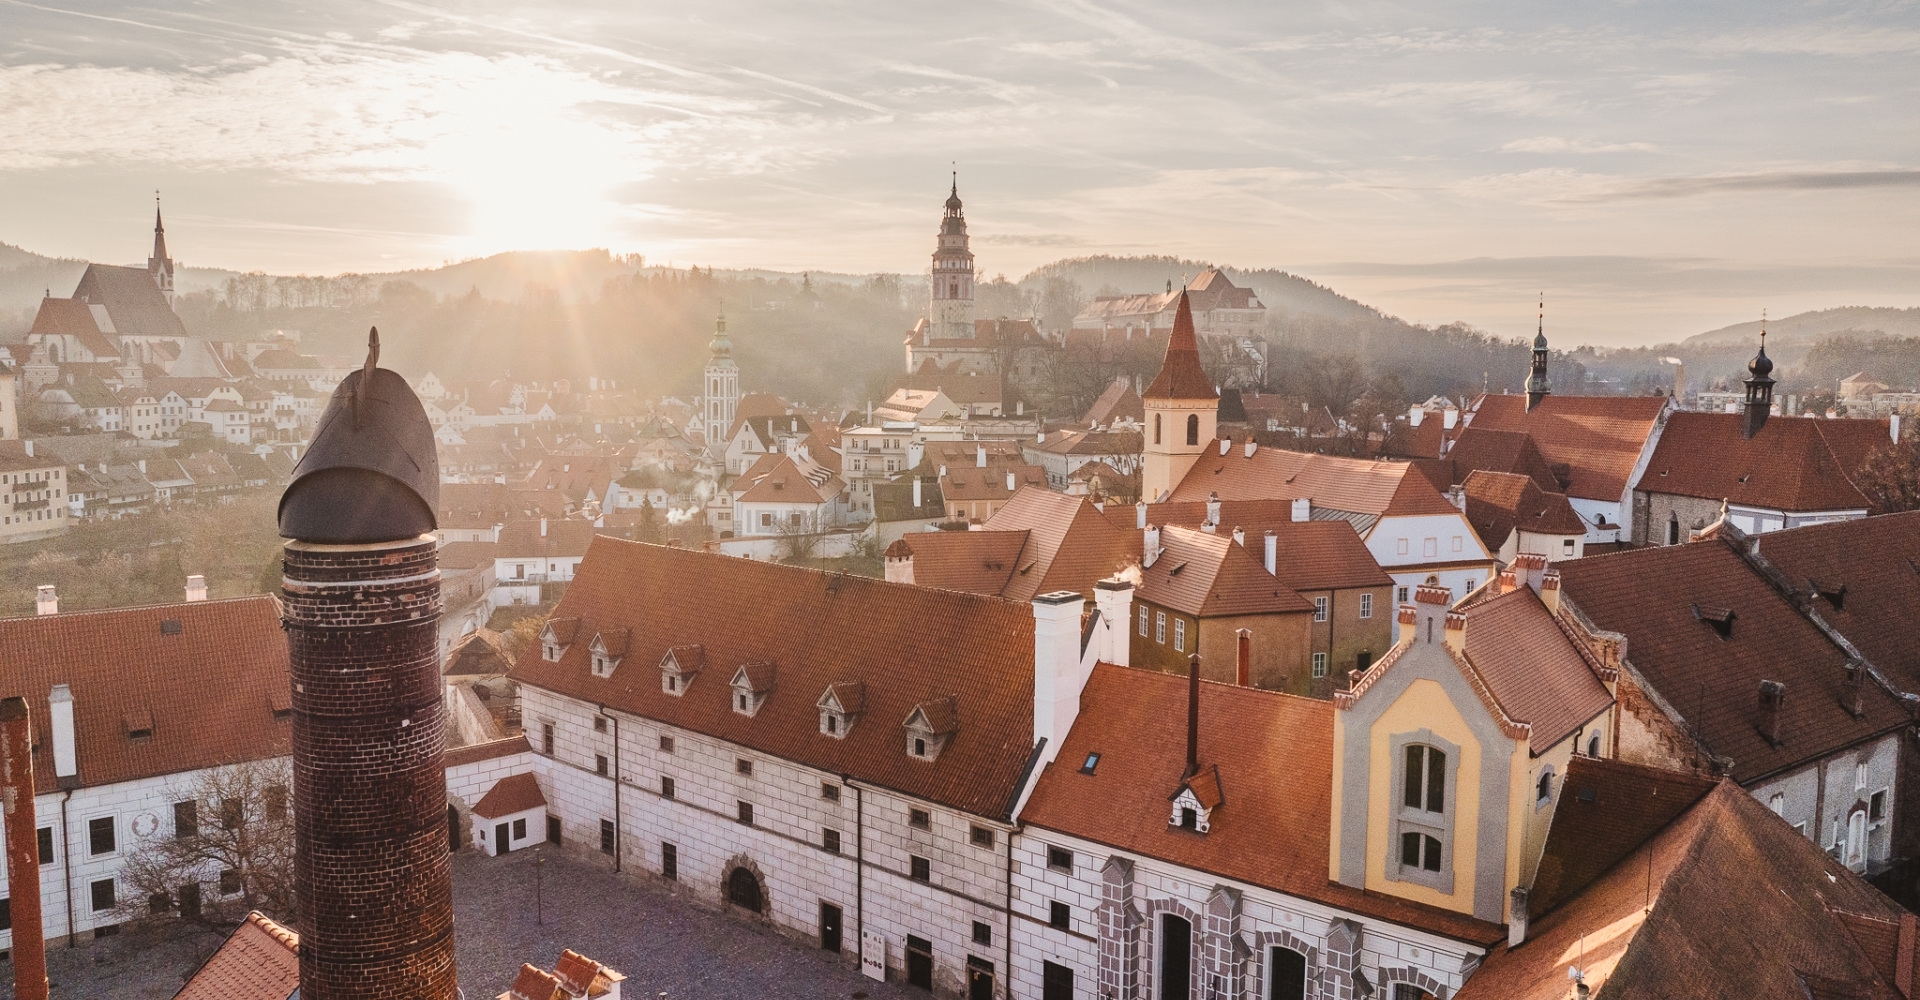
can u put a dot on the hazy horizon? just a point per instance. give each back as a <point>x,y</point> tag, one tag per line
<point>1658,172</point>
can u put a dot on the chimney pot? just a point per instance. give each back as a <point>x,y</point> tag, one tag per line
<point>1773,696</point>
<point>1272,554</point>
<point>1856,679</point>
<point>1517,918</point>
<point>196,588</point>
<point>46,600</point>
<point>1303,508</point>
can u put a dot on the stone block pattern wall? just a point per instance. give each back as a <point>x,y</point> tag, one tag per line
<point>370,797</point>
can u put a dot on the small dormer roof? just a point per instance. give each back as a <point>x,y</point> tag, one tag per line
<point>939,716</point>
<point>1205,787</point>
<point>685,658</point>
<point>561,630</point>
<point>846,697</point>
<point>611,643</point>
<point>755,677</point>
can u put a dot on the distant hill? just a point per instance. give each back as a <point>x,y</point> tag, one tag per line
<point>1807,327</point>
<point>1282,292</point>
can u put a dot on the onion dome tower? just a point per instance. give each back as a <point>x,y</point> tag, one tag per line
<point>362,610</point>
<point>1537,388</point>
<point>1759,389</point>
<point>1182,411</point>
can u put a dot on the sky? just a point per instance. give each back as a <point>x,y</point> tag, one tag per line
<point>1656,169</point>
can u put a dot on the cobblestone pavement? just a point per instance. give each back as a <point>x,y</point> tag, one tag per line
<point>667,946</point>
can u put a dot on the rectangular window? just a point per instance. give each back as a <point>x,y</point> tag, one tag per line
<point>1059,859</point>
<point>922,869</point>
<point>100,835</point>
<point>1143,621</point>
<point>1400,547</point>
<point>1429,547</point>
<point>520,828</point>
<point>46,845</point>
<point>919,819</point>
<point>186,819</point>
<point>1180,634</point>
<point>1877,806</point>
<point>1457,543</point>
<point>744,812</point>
<point>1319,664</point>
<point>1366,605</point>
<point>103,895</point>
<point>276,802</point>
<point>1159,626</point>
<point>980,836</point>
<point>546,737</point>
<point>599,723</point>
<point>830,839</point>
<point>1319,609</point>
<point>982,932</point>
<point>1859,777</point>
<point>1060,915</point>
<point>1426,779</point>
<point>669,861</point>
<point>666,787</point>
<point>1566,546</point>
<point>741,765</point>
<point>1400,595</point>
<point>600,764</point>
<point>606,836</point>
<point>666,744</point>
<point>830,791</point>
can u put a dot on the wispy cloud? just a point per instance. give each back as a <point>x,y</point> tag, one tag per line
<point>1785,180</point>
<point>1560,144</point>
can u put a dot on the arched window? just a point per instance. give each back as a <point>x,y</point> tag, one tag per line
<point>1421,823</point>
<point>1543,791</point>
<point>743,889</point>
<point>1156,428</point>
<point>1286,974</point>
<point>1193,428</point>
<point>1673,530</point>
<point>1593,744</point>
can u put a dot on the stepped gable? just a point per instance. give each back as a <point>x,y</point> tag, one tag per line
<point>1597,438</point>
<point>907,645</point>
<point>1726,901</point>
<point>1791,464</point>
<point>1275,758</point>
<point>1181,376</point>
<point>206,679</point>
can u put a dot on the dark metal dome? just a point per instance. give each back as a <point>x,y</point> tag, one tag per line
<point>1761,366</point>
<point>372,473</point>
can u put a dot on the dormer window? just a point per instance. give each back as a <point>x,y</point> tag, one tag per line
<point>608,649</point>
<point>1195,800</point>
<point>751,683</point>
<point>840,705</point>
<point>678,667</point>
<point>929,726</point>
<point>555,636</point>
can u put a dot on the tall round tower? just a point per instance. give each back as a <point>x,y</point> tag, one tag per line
<point>723,387</point>
<point>362,609</point>
<point>950,283</point>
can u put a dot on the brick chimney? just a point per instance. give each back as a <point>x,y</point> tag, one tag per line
<point>23,847</point>
<point>1455,630</point>
<point>1530,568</point>
<point>1193,716</point>
<point>1550,589</point>
<point>46,600</point>
<point>196,588</point>
<point>1773,697</point>
<point>361,612</point>
<point>1243,657</point>
<point>1852,699</point>
<point>1430,609</point>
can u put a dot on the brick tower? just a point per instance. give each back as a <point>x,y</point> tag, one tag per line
<point>362,594</point>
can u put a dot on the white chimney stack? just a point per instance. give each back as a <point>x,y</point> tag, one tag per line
<point>1273,554</point>
<point>28,444</point>
<point>543,527</point>
<point>1251,445</point>
<point>46,601</point>
<point>1415,414</point>
<point>1303,508</point>
<point>60,707</point>
<point>980,456</point>
<point>1213,509</point>
<point>916,493</point>
<point>1010,485</point>
<point>1140,516</point>
<point>1114,598</point>
<point>1893,428</point>
<point>1449,417</point>
<point>1239,536</point>
<point>1225,443</point>
<point>1150,546</point>
<point>1057,677</point>
<point>196,588</point>
<point>1040,437</point>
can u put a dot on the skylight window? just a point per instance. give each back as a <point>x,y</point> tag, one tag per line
<point>1093,761</point>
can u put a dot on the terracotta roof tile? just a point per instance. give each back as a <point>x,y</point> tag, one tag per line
<point>1532,667</point>
<point>533,984</point>
<point>970,483</point>
<point>974,562</point>
<point>1793,464</point>
<point>1597,438</point>
<point>260,960</point>
<point>1498,503</point>
<point>1312,555</point>
<point>490,750</point>
<point>1877,561</point>
<point>1208,575</point>
<point>1353,485</point>
<point>1117,401</point>
<point>511,794</point>
<point>1181,376</point>
<point>1275,753</point>
<point>1615,806</point>
<point>209,686</point>
<point>1489,450</point>
<point>907,644</point>
<point>562,537</point>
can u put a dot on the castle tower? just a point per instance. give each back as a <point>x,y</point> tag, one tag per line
<point>160,266</point>
<point>723,387</point>
<point>1537,389</point>
<point>950,284</point>
<point>362,611</point>
<point>1759,389</point>
<point>1182,411</point>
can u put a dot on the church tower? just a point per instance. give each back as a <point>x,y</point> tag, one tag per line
<point>1537,389</point>
<point>950,298</point>
<point>160,266</point>
<point>1759,389</point>
<point>723,387</point>
<point>1182,410</point>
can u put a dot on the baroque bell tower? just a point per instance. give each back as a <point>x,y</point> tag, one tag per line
<point>950,282</point>
<point>723,387</point>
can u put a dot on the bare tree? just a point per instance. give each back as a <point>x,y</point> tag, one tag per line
<point>1890,477</point>
<point>227,850</point>
<point>799,538</point>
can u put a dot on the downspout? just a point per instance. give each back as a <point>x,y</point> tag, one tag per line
<point>66,866</point>
<point>1008,943</point>
<point>860,871</point>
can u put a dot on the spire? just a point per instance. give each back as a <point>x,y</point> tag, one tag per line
<point>721,346</point>
<point>1537,387</point>
<point>1759,387</point>
<point>160,266</point>
<point>1181,376</point>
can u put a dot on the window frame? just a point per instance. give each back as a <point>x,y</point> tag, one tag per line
<point>1179,634</point>
<point>112,829</point>
<point>1366,605</point>
<point>1059,859</point>
<point>1404,819</point>
<point>1160,627</point>
<point>1322,609</point>
<point>1319,665</point>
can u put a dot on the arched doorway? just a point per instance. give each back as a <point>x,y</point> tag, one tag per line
<point>743,889</point>
<point>1176,958</point>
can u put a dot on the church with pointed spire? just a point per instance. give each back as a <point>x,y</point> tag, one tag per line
<point>1182,411</point>
<point>159,265</point>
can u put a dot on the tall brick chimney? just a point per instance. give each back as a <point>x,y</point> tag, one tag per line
<point>362,598</point>
<point>23,850</point>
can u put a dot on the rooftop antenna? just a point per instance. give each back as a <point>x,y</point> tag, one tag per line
<point>366,373</point>
<point>1541,320</point>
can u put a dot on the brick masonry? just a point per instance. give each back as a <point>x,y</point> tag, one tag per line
<point>370,797</point>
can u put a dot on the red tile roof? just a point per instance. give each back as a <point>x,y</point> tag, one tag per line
<point>1877,560</point>
<point>1312,555</point>
<point>1354,485</point>
<point>1725,901</point>
<point>490,750</point>
<point>1070,544</point>
<point>1208,575</point>
<point>973,562</point>
<point>1118,400</point>
<point>1651,597</point>
<point>907,644</point>
<point>562,538</point>
<point>970,483</point>
<point>1615,806</point>
<point>1534,670</point>
<point>1499,503</point>
<point>533,984</point>
<point>1597,438</point>
<point>1181,376</point>
<point>1486,449</point>
<point>511,794</point>
<point>1275,757</point>
<point>1793,464</point>
<point>260,960</point>
<point>212,687</point>
<point>777,478</point>
<point>73,318</point>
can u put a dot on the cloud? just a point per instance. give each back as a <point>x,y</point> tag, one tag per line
<point>1785,180</point>
<point>1558,144</point>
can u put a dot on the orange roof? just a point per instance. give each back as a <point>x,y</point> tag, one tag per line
<point>971,483</point>
<point>1208,575</point>
<point>1498,503</point>
<point>1181,376</point>
<point>562,538</point>
<point>1534,670</point>
<point>1312,555</point>
<point>1352,485</point>
<point>260,960</point>
<point>1597,438</point>
<point>786,479</point>
<point>490,750</point>
<point>974,562</point>
<point>1275,754</point>
<point>1071,545</point>
<point>907,645</point>
<point>211,674</point>
<point>1793,464</point>
<point>511,794</point>
<point>533,984</point>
